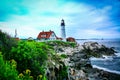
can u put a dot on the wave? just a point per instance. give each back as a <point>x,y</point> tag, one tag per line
<point>117,54</point>
<point>95,59</point>
<point>105,69</point>
<point>102,58</point>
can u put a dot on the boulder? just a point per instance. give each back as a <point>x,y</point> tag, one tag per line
<point>96,50</point>
<point>92,45</point>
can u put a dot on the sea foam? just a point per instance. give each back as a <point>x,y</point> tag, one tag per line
<point>105,69</point>
<point>102,58</point>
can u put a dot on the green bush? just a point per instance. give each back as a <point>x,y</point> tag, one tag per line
<point>26,75</point>
<point>25,55</point>
<point>63,72</point>
<point>64,56</point>
<point>31,55</point>
<point>6,44</point>
<point>7,70</point>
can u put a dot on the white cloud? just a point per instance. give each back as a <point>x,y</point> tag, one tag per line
<point>80,19</point>
<point>90,33</point>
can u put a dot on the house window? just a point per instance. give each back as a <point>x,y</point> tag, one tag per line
<point>53,35</point>
<point>43,35</point>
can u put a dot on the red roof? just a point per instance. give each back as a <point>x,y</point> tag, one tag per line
<point>71,39</point>
<point>17,39</point>
<point>44,34</point>
<point>59,38</point>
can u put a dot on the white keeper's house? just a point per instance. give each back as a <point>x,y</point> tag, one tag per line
<point>47,35</point>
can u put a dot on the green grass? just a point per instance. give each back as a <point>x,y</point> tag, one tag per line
<point>61,43</point>
<point>64,56</point>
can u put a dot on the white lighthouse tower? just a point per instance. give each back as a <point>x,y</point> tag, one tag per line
<point>63,34</point>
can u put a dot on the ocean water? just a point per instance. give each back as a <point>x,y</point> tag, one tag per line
<point>108,63</point>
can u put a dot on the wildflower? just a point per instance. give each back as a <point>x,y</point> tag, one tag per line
<point>31,77</point>
<point>39,77</point>
<point>13,62</point>
<point>20,75</point>
<point>27,71</point>
<point>13,66</point>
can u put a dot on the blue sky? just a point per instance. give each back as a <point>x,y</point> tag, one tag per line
<point>83,18</point>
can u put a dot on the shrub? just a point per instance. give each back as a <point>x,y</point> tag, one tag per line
<point>6,44</point>
<point>31,55</point>
<point>26,75</point>
<point>64,56</point>
<point>63,72</point>
<point>7,70</point>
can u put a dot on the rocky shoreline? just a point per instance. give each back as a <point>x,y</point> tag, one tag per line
<point>104,75</point>
<point>78,62</point>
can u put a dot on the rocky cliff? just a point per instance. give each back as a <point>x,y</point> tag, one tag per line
<point>77,60</point>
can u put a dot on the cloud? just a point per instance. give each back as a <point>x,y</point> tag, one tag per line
<point>90,33</point>
<point>82,20</point>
